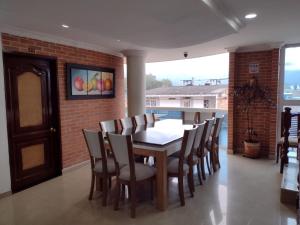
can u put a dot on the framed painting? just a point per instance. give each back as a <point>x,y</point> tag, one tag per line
<point>89,82</point>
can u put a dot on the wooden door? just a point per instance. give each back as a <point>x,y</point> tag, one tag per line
<point>32,118</point>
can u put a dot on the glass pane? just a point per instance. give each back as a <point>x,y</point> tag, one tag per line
<point>292,74</point>
<point>32,156</point>
<point>30,99</point>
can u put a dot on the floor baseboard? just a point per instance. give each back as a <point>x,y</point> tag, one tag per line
<point>5,194</point>
<point>75,166</point>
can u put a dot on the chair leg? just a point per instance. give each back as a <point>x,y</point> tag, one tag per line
<point>133,199</point>
<point>92,187</point>
<point>117,195</point>
<point>180,190</point>
<point>203,168</point>
<point>213,157</point>
<point>207,163</point>
<point>218,159</point>
<point>123,192</point>
<point>109,182</point>
<point>104,191</point>
<point>277,152</point>
<point>199,174</point>
<point>191,183</point>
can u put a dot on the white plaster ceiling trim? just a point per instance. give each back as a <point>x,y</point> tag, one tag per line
<point>225,13</point>
<point>56,39</point>
<point>256,47</point>
<point>134,52</point>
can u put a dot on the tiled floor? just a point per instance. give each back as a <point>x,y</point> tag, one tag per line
<point>243,192</point>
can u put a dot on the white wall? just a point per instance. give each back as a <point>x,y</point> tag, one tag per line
<point>4,158</point>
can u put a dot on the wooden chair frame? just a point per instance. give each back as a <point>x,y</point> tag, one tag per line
<point>102,128</point>
<point>180,174</point>
<point>132,183</point>
<point>153,116</point>
<point>214,151</point>
<point>202,154</point>
<point>105,176</point>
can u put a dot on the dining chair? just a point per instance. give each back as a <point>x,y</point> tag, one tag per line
<point>108,126</point>
<point>190,117</point>
<point>127,122</point>
<point>139,120</point>
<point>128,171</point>
<point>180,167</point>
<point>213,143</point>
<point>196,147</point>
<point>150,118</point>
<point>203,151</point>
<point>101,166</point>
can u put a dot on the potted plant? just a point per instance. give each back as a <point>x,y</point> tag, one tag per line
<point>248,96</point>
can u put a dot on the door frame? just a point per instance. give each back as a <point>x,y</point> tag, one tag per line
<point>55,110</point>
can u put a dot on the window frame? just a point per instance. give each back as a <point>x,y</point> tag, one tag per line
<point>280,97</point>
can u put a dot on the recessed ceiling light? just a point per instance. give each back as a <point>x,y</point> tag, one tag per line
<point>118,40</point>
<point>65,26</point>
<point>251,16</point>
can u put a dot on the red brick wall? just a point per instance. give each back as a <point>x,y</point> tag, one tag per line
<point>75,114</point>
<point>265,116</point>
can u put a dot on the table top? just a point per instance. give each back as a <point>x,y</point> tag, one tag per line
<point>161,134</point>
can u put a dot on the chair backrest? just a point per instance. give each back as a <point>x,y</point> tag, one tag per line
<point>208,130</point>
<point>127,123</point>
<point>217,127</point>
<point>190,117</point>
<point>187,142</point>
<point>128,131</point>
<point>206,115</point>
<point>95,143</point>
<point>199,136</point>
<point>150,118</point>
<point>140,128</point>
<point>108,126</point>
<point>121,146</point>
<point>140,120</point>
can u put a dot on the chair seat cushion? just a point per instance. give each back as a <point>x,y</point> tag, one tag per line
<point>173,164</point>
<point>110,166</point>
<point>293,141</point>
<point>142,172</point>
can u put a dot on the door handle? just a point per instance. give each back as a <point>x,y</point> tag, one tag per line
<point>52,130</point>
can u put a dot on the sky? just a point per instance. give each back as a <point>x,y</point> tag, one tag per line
<point>208,67</point>
<point>203,68</point>
<point>292,59</point>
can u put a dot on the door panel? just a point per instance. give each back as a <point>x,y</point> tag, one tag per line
<point>30,99</point>
<point>33,156</point>
<point>32,120</point>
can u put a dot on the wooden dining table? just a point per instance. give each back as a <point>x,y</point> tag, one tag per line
<point>159,140</point>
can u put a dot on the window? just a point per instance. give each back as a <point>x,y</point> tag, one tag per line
<point>292,73</point>
<point>152,102</point>
<point>186,102</point>
<point>289,85</point>
<point>206,103</point>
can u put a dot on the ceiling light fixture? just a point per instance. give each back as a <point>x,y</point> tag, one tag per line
<point>251,16</point>
<point>118,40</point>
<point>65,26</point>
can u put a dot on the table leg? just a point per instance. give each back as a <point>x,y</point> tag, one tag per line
<point>162,180</point>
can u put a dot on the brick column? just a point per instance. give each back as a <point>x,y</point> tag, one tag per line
<point>232,78</point>
<point>273,85</point>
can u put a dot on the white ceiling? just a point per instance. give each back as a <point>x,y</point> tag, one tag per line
<point>165,29</point>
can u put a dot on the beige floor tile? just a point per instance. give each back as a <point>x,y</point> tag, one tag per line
<point>243,192</point>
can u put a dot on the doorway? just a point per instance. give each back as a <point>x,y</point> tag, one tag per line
<point>32,119</point>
